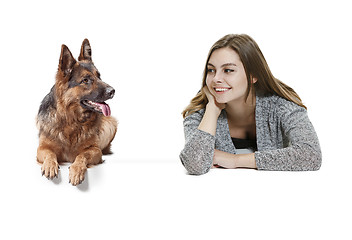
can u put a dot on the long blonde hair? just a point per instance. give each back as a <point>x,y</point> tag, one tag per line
<point>254,65</point>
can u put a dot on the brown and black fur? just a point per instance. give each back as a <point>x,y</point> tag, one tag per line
<point>69,129</point>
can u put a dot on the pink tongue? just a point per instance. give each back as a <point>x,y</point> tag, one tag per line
<point>105,108</point>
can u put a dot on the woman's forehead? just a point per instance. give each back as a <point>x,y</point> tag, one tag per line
<point>224,56</point>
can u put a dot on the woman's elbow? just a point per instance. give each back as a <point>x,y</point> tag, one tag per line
<point>316,161</point>
<point>194,166</point>
<point>312,161</point>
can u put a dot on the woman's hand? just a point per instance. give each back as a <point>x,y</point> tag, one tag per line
<point>212,112</point>
<point>212,103</point>
<point>224,159</point>
<point>228,160</point>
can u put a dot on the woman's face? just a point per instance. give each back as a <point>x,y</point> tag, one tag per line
<point>226,77</point>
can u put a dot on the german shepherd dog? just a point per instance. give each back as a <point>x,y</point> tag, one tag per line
<point>74,121</point>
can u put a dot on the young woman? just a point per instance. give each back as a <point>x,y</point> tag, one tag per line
<point>243,117</point>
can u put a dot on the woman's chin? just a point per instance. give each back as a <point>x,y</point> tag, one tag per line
<point>221,100</point>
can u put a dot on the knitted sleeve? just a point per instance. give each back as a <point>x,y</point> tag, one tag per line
<point>302,150</point>
<point>197,154</point>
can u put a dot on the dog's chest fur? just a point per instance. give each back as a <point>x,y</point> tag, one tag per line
<point>69,134</point>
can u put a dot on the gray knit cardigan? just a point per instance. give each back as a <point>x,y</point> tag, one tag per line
<point>286,139</point>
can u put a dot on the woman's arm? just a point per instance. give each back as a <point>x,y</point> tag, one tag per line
<point>209,120</point>
<point>200,130</point>
<point>228,160</point>
<point>197,154</point>
<point>302,151</point>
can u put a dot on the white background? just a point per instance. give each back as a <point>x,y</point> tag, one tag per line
<point>153,53</point>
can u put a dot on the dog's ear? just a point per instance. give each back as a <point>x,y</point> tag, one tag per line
<point>67,61</point>
<point>86,51</point>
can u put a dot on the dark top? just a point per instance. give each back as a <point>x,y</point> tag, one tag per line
<point>245,143</point>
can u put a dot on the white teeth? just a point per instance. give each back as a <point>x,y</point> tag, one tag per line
<point>96,106</point>
<point>221,89</point>
<point>93,103</point>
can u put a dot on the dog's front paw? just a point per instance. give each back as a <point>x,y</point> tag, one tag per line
<point>50,168</point>
<point>77,172</point>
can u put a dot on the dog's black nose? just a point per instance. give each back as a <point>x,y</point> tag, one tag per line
<point>109,92</point>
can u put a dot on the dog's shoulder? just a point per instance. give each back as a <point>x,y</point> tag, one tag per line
<point>48,103</point>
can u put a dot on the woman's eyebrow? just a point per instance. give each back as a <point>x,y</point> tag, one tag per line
<point>228,64</point>
<point>224,65</point>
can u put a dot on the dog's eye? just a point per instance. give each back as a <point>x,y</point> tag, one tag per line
<point>85,81</point>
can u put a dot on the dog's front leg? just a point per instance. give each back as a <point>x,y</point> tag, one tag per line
<point>48,159</point>
<point>87,157</point>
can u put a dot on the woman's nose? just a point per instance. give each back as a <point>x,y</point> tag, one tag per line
<point>218,78</point>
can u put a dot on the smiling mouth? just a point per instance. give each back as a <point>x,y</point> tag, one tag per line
<point>100,107</point>
<point>221,90</point>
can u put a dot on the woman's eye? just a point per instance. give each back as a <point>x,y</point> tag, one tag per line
<point>210,70</point>
<point>229,70</point>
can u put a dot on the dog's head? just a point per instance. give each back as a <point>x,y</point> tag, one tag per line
<point>78,83</point>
